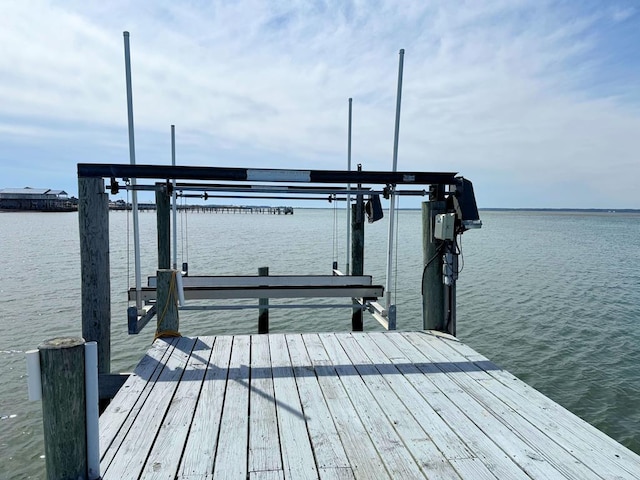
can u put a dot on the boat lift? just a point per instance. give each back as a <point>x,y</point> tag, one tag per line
<point>267,181</point>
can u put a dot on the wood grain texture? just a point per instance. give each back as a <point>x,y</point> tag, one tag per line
<point>93,223</point>
<point>338,406</point>
<point>63,407</point>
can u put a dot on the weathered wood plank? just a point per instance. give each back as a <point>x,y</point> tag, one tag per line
<point>164,458</point>
<point>267,475</point>
<point>95,287</point>
<point>336,473</point>
<point>400,403</point>
<point>560,459</point>
<point>264,442</point>
<point>327,447</point>
<point>352,405</point>
<point>297,455</point>
<point>529,458</point>
<point>423,377</point>
<point>136,445</point>
<point>118,417</point>
<point>231,457</point>
<point>571,433</point>
<point>62,368</point>
<point>363,456</point>
<point>202,442</point>
<point>398,461</point>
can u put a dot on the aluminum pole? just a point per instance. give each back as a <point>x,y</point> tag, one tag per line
<point>132,157</point>
<point>392,199</point>
<point>173,200</point>
<point>348,195</point>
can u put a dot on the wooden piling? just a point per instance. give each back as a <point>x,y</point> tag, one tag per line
<point>263,312</point>
<point>163,219</point>
<point>93,222</point>
<point>62,368</point>
<point>432,287</point>
<point>168,323</point>
<point>357,255</point>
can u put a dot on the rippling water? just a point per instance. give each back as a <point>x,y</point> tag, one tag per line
<point>552,297</point>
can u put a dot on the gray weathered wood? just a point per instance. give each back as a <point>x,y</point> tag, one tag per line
<point>164,457</point>
<point>231,456</point>
<point>64,407</point>
<point>163,218</point>
<point>202,443</point>
<point>363,456</point>
<point>398,461</point>
<point>136,445</point>
<point>427,379</point>
<point>264,442</point>
<point>432,286</point>
<point>118,417</point>
<point>402,406</point>
<point>167,319</point>
<point>597,451</point>
<point>263,313</point>
<point>297,455</point>
<point>93,223</point>
<point>348,405</point>
<point>327,447</point>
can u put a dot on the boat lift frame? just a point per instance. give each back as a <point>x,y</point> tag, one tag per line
<point>337,183</point>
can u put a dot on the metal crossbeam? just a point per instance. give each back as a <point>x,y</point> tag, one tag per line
<point>165,172</point>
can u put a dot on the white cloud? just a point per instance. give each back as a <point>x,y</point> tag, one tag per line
<point>498,88</point>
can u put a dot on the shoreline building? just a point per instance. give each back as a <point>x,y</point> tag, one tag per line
<point>37,200</point>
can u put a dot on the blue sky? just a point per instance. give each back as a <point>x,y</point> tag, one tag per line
<point>537,102</point>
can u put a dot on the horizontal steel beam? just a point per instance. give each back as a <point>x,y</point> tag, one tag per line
<point>263,174</point>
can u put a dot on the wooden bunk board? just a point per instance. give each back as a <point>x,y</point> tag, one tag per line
<point>273,286</point>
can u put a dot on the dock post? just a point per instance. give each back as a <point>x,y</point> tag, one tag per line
<point>263,311</point>
<point>62,367</point>
<point>163,219</point>
<point>93,222</point>
<point>168,324</point>
<point>357,253</point>
<point>433,291</point>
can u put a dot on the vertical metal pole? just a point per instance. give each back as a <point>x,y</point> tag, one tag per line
<point>173,200</point>
<point>392,198</point>
<point>346,272</point>
<point>132,158</point>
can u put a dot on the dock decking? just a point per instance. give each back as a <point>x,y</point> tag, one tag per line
<point>342,405</point>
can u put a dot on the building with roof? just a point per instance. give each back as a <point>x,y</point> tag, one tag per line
<point>36,199</point>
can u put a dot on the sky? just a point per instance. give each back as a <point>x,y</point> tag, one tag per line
<point>537,102</point>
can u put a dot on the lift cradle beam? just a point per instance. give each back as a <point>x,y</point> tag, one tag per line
<point>96,170</point>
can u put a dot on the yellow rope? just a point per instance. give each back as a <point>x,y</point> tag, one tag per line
<point>173,296</point>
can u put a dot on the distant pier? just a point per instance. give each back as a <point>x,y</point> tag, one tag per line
<point>209,208</point>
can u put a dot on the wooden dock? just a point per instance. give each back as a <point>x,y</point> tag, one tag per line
<point>342,405</point>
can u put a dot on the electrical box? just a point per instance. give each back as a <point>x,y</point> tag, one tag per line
<point>445,226</point>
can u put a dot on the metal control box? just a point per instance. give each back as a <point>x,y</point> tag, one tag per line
<point>445,226</point>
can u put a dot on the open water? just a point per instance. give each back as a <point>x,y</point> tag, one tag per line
<point>552,297</point>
